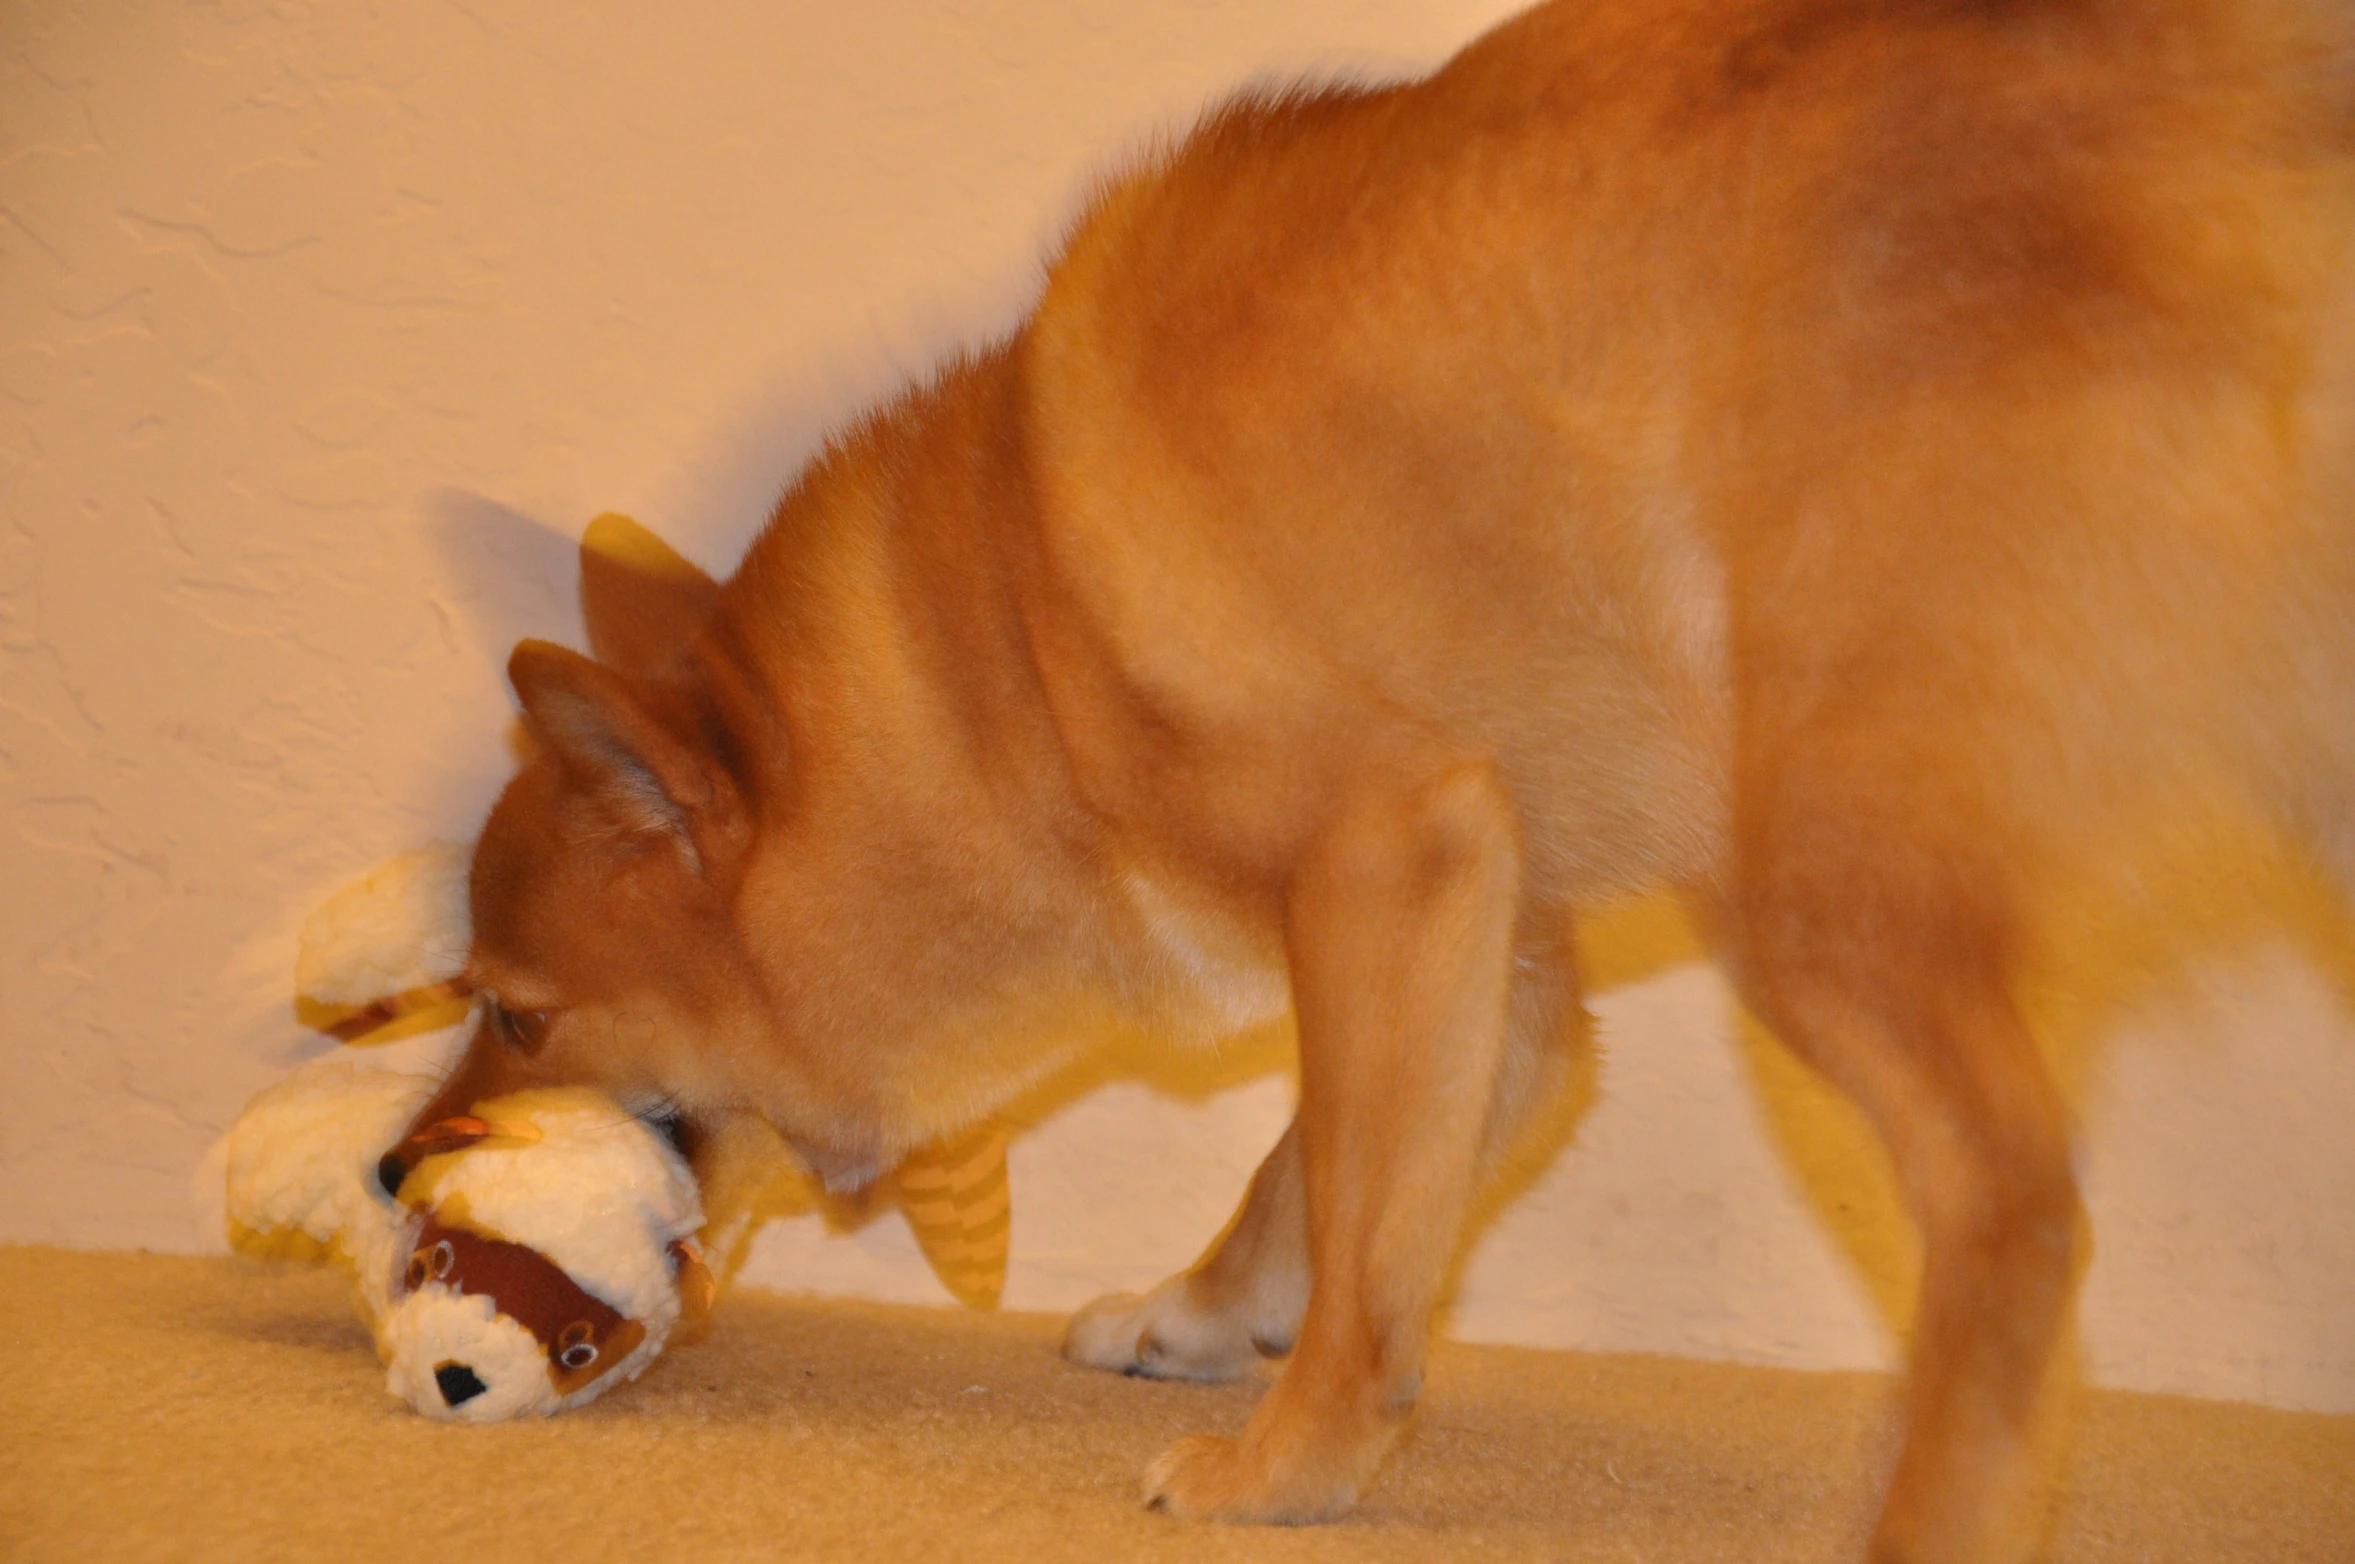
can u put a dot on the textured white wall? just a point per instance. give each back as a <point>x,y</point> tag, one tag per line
<point>322,329</point>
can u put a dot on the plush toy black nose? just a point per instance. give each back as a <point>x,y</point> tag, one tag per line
<point>390,1170</point>
<point>459,1383</point>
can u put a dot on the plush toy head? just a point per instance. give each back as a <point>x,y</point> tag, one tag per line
<point>549,1254</point>
<point>541,1252</point>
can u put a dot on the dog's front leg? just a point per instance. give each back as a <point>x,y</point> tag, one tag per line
<point>1399,928</point>
<point>1244,1299</point>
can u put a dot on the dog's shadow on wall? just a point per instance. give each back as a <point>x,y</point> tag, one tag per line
<point>505,576</point>
<point>505,573</point>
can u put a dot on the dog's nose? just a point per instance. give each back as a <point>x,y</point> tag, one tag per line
<point>390,1170</point>
<point>459,1383</point>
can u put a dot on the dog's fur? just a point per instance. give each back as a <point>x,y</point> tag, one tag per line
<point>1827,456</point>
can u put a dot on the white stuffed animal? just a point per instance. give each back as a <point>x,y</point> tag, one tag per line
<point>541,1252</point>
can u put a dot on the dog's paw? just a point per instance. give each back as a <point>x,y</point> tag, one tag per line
<point>1209,1479</point>
<point>1162,1335</point>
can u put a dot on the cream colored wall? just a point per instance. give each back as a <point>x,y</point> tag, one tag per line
<point>322,328</point>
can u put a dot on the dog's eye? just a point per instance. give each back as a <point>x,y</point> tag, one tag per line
<point>671,1125</point>
<point>525,1030</point>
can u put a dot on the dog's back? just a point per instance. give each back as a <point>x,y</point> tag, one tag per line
<point>1977,375</point>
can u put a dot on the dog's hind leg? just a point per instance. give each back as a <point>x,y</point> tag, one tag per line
<point>1241,1301</point>
<point>1872,927</point>
<point>1244,1299</point>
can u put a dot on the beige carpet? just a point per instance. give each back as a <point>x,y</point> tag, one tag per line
<point>191,1410</point>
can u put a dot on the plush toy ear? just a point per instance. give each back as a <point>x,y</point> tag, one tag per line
<point>381,959</point>
<point>698,1291</point>
<point>466,1130</point>
<point>641,598</point>
<point>961,1209</point>
<point>601,725</point>
<point>391,1018</point>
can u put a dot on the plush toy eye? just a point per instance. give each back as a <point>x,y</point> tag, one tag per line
<point>578,1350</point>
<point>431,1265</point>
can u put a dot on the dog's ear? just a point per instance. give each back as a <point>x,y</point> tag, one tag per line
<point>601,725</point>
<point>642,600</point>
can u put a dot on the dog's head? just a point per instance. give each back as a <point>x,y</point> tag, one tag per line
<point>698,896</point>
<point>605,951</point>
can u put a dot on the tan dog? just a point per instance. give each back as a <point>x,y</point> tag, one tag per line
<point>1824,455</point>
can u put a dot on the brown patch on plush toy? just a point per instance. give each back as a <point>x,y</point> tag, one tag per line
<point>582,1335</point>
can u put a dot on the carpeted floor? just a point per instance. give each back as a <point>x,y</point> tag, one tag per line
<point>194,1410</point>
